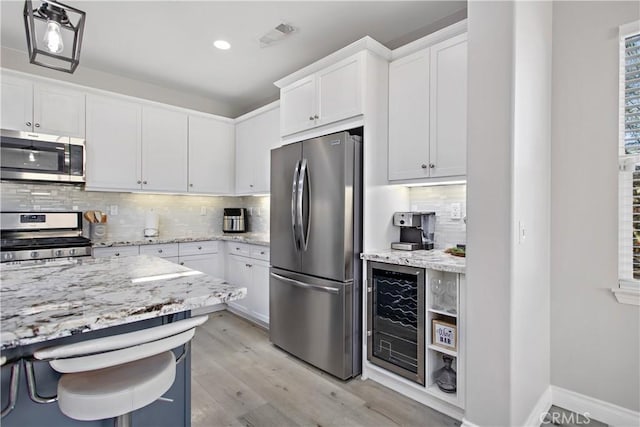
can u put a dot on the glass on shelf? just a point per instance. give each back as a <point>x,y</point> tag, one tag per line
<point>446,377</point>
<point>444,294</point>
<point>451,297</point>
<point>437,291</point>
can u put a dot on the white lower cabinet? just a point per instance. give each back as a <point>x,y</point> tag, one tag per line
<point>115,251</point>
<point>248,266</point>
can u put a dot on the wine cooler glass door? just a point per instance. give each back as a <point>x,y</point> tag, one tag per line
<point>396,319</point>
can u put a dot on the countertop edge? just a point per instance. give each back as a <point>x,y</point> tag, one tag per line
<point>257,239</point>
<point>450,264</point>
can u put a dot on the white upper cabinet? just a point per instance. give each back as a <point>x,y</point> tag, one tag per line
<point>17,104</point>
<point>339,91</point>
<point>409,116</point>
<point>332,94</point>
<point>211,156</point>
<point>297,106</point>
<point>164,150</point>
<point>448,149</point>
<point>255,137</point>
<point>428,112</point>
<point>42,108</point>
<point>114,135</point>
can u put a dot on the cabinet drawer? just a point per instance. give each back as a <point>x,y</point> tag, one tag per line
<point>241,249</point>
<point>117,251</point>
<point>195,248</point>
<point>260,252</point>
<point>164,250</point>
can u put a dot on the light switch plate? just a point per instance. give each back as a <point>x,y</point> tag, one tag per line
<point>113,210</point>
<point>203,210</point>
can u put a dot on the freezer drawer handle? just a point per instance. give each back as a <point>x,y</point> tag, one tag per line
<point>305,285</point>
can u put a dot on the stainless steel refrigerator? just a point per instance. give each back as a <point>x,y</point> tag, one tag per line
<point>316,239</point>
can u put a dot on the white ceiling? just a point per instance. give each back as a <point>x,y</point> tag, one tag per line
<point>169,43</point>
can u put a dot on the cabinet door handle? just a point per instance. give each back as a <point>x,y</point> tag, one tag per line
<point>190,185</point>
<point>144,182</point>
<point>423,166</point>
<point>182,263</point>
<point>117,254</point>
<point>237,249</point>
<point>199,248</point>
<point>261,252</point>
<point>248,265</point>
<point>139,182</point>
<point>37,125</point>
<point>316,117</point>
<point>28,124</point>
<point>310,117</point>
<point>432,165</point>
<point>159,251</point>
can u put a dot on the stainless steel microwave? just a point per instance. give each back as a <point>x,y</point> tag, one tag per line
<point>38,157</point>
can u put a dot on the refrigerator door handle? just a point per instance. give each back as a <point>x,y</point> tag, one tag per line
<point>306,285</point>
<point>294,205</point>
<point>303,179</point>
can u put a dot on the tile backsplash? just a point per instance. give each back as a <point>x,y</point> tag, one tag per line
<point>439,199</point>
<point>180,215</point>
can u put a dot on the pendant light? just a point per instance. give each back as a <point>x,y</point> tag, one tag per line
<point>54,35</point>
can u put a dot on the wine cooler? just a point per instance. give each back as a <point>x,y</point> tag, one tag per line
<point>396,316</point>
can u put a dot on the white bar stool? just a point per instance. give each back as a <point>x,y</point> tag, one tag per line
<point>116,375</point>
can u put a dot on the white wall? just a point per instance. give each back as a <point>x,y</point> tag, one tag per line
<point>595,342</point>
<point>490,48</point>
<point>530,335</point>
<point>508,184</point>
<point>16,60</point>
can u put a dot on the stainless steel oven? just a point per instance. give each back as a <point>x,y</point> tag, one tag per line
<point>396,318</point>
<point>42,236</point>
<point>39,157</point>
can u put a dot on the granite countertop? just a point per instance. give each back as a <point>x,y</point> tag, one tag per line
<point>261,239</point>
<point>52,300</point>
<point>434,259</point>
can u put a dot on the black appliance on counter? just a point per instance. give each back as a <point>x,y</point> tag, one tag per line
<point>42,236</point>
<point>234,220</point>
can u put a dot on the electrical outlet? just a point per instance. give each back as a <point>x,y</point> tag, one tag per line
<point>258,212</point>
<point>75,208</point>
<point>456,211</point>
<point>522,232</point>
<point>250,211</point>
<point>113,210</point>
<point>203,210</point>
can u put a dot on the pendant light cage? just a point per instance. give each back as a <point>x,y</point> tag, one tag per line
<point>71,24</point>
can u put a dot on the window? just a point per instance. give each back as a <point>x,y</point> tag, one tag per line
<point>629,166</point>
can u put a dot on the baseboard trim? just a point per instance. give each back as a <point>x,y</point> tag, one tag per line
<point>540,409</point>
<point>467,423</point>
<point>597,409</point>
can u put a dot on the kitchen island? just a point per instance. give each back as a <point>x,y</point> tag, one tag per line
<point>59,302</point>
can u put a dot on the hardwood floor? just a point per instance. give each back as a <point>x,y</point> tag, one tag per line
<point>240,379</point>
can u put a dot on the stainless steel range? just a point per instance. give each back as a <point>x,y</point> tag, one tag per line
<point>42,236</point>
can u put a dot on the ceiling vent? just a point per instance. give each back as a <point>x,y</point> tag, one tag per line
<point>275,35</point>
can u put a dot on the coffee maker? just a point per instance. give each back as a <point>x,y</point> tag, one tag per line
<point>416,230</point>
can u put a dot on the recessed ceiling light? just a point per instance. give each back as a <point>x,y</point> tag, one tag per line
<point>222,44</point>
